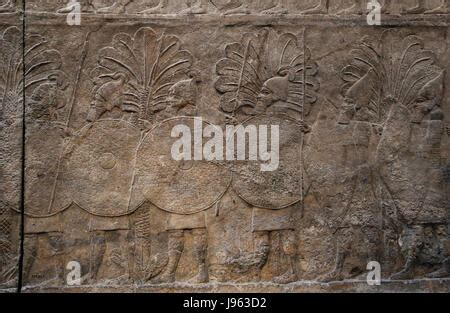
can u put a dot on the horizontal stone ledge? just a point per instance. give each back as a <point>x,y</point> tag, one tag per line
<point>254,19</point>
<point>418,285</point>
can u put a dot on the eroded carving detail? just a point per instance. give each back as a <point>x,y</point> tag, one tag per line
<point>391,86</point>
<point>259,81</point>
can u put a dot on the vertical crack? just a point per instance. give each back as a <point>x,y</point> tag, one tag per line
<point>22,185</point>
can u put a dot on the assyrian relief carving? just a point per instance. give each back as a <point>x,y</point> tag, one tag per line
<point>276,87</point>
<point>133,81</point>
<point>11,100</point>
<point>361,175</point>
<point>390,82</point>
<point>235,7</point>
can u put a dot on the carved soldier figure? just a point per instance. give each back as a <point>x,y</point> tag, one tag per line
<point>44,111</point>
<point>108,103</point>
<point>424,221</point>
<point>183,98</point>
<point>267,97</point>
<point>361,220</point>
<point>407,147</point>
<point>128,99</point>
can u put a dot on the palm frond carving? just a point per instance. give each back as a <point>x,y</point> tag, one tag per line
<point>248,66</point>
<point>390,68</point>
<point>150,65</point>
<point>41,63</point>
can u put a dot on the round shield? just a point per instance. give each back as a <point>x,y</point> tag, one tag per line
<point>272,178</point>
<point>174,183</point>
<point>98,167</point>
<point>44,149</point>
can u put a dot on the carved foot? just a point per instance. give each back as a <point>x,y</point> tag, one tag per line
<point>440,273</point>
<point>239,10</point>
<point>279,9</point>
<point>286,278</point>
<point>319,9</point>
<point>354,9</point>
<point>416,10</point>
<point>402,275</point>
<point>114,9</point>
<point>443,9</point>
<point>61,11</point>
<point>200,278</point>
<point>331,276</point>
<point>159,9</point>
<point>194,10</point>
<point>245,264</point>
<point>164,278</point>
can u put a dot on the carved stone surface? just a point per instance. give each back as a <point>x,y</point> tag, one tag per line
<point>11,121</point>
<point>364,149</point>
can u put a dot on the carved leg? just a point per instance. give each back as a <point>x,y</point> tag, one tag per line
<point>336,273</point>
<point>443,272</point>
<point>56,243</point>
<point>30,255</point>
<point>200,252</point>
<point>413,249</point>
<point>418,9</point>
<point>279,8</point>
<point>176,247</point>
<point>258,258</point>
<point>321,8</point>
<point>343,248</point>
<point>442,9</point>
<point>89,6</point>
<point>159,9</point>
<point>98,248</point>
<point>358,7</point>
<point>290,249</point>
<point>387,7</point>
<point>236,7</point>
<point>117,8</point>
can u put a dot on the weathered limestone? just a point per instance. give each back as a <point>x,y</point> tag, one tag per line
<point>363,170</point>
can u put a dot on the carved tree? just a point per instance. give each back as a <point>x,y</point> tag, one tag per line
<point>150,66</point>
<point>388,68</point>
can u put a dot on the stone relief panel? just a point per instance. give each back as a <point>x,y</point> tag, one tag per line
<point>361,175</point>
<point>11,87</point>
<point>371,212</point>
<point>238,7</point>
